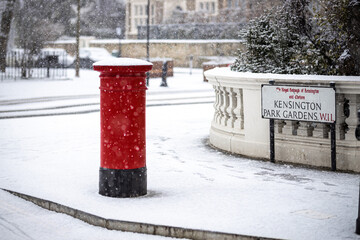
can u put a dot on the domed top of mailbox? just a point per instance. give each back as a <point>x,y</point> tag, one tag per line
<point>122,65</point>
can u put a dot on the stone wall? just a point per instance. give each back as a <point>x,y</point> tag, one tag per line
<point>178,50</point>
<point>238,127</point>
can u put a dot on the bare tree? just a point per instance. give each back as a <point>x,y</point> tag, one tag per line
<point>33,28</point>
<point>100,18</point>
<point>4,32</point>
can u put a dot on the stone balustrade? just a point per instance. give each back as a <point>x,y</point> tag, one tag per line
<point>237,126</point>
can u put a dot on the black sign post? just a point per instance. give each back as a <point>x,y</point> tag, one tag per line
<point>333,139</point>
<point>357,135</point>
<point>333,146</point>
<point>357,230</point>
<point>272,134</point>
<point>272,141</point>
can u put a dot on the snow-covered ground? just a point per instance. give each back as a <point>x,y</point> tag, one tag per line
<point>189,184</point>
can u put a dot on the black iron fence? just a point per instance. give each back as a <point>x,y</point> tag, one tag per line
<point>47,64</point>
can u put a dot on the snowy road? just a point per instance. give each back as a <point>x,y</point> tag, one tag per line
<point>50,98</point>
<point>80,104</point>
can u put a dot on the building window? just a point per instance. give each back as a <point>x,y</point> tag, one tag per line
<point>229,3</point>
<point>207,6</point>
<point>136,10</point>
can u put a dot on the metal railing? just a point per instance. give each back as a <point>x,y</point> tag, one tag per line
<point>52,65</point>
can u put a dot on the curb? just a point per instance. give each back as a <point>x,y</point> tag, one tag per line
<point>135,227</point>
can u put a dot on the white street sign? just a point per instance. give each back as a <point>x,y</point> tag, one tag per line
<point>312,104</point>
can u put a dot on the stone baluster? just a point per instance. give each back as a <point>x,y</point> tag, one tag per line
<point>305,129</point>
<point>352,121</point>
<point>230,109</point>
<point>290,127</point>
<point>217,105</point>
<point>340,117</point>
<point>279,125</point>
<point>287,128</point>
<point>239,109</point>
<point>224,105</point>
<point>321,130</point>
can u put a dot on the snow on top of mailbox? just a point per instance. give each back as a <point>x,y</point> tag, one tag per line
<point>122,62</point>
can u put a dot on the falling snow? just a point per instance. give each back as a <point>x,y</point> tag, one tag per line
<point>189,183</point>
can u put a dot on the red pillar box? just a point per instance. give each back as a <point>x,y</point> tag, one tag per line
<point>122,118</point>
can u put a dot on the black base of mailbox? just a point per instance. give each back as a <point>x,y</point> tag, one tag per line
<point>123,183</point>
<point>357,230</point>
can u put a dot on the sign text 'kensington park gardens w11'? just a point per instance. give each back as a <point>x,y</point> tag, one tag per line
<point>313,104</point>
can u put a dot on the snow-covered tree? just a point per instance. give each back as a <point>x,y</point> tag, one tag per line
<point>300,39</point>
<point>36,23</point>
<point>272,45</point>
<point>338,33</point>
<point>354,29</point>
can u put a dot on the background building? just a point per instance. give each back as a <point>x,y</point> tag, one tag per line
<point>182,12</point>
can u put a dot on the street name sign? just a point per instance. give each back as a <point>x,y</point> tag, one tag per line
<point>297,103</point>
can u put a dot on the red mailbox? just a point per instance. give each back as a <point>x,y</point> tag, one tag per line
<point>122,119</point>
